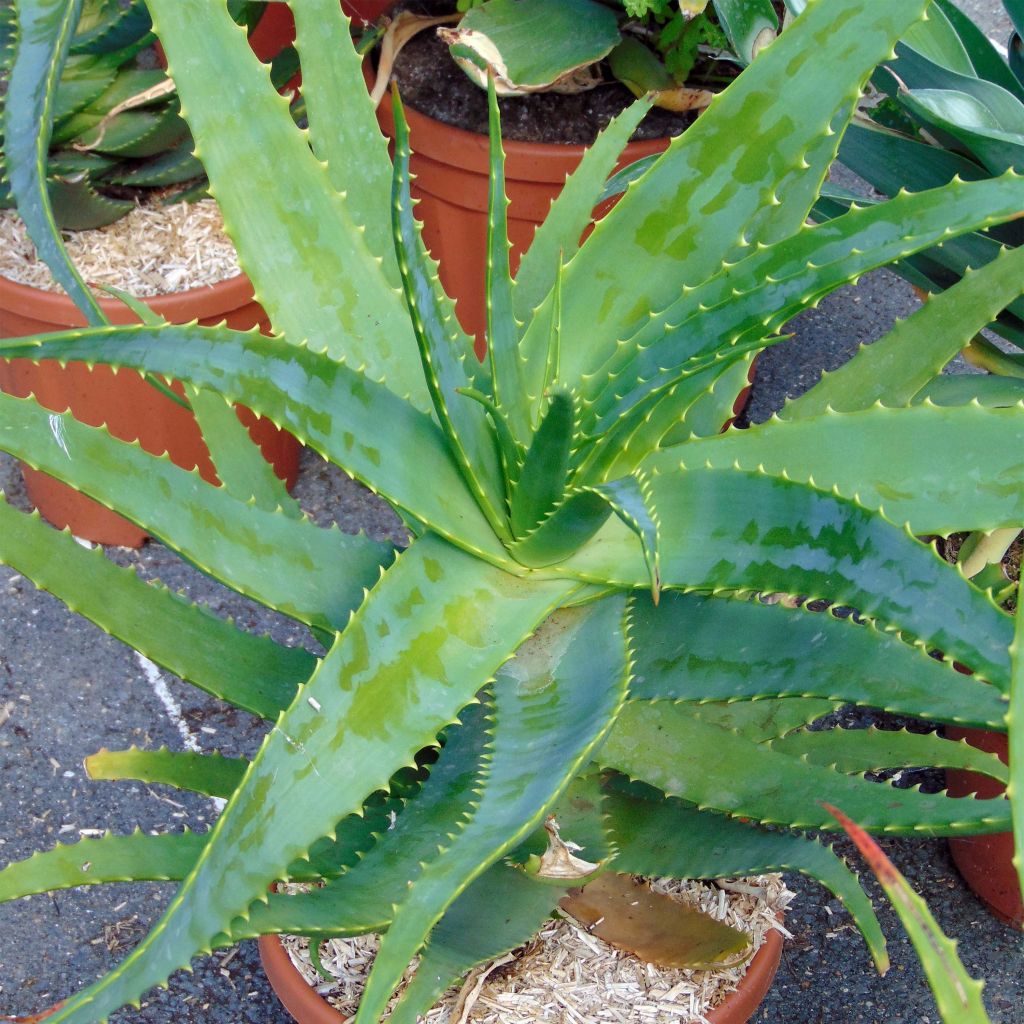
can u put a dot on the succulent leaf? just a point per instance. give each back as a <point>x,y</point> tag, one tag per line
<point>912,446</point>
<point>957,994</point>
<point>665,746</point>
<point>211,774</point>
<point>656,835</point>
<point>554,702</point>
<point>350,308</point>
<point>251,672</point>
<point>761,720</point>
<point>864,750</point>
<point>321,573</point>
<point>695,647</point>
<point>44,32</point>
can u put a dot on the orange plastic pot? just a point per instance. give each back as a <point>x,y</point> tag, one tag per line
<point>986,862</point>
<point>303,1003</point>
<point>131,409</point>
<point>450,169</point>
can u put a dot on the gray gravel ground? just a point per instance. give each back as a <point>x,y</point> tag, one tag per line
<point>70,690</point>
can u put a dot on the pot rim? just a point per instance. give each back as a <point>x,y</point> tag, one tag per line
<point>307,1007</point>
<point>57,308</point>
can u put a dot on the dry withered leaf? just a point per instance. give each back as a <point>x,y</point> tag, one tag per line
<point>656,928</point>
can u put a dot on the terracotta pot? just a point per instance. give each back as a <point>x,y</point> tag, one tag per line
<point>302,1002</point>
<point>450,171</point>
<point>131,409</point>
<point>986,862</point>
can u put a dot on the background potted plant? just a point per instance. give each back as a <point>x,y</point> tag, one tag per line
<point>111,137</point>
<point>587,547</point>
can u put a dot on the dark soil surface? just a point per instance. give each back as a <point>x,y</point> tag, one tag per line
<point>432,83</point>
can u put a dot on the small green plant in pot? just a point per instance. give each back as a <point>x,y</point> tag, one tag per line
<point>575,628</point>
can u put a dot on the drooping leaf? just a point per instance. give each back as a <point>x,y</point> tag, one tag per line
<point>658,929</point>
<point>211,774</point>
<point>251,672</point>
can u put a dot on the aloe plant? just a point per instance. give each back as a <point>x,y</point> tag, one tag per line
<point>575,630</point>
<point>116,129</point>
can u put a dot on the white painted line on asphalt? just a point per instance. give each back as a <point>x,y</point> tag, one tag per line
<point>173,711</point>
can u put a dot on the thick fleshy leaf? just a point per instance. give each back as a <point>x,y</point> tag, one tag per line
<point>250,146</point>
<point>211,774</point>
<point>699,648</point>
<point>987,61</point>
<point>558,237</point>
<point>502,909</point>
<point>656,835</point>
<point>749,24</point>
<point>554,702</point>
<point>865,750</point>
<point>667,747</point>
<point>445,351</point>
<point>320,574</point>
<point>398,674</point>
<point>957,994</point>
<point>903,462</point>
<point>329,67</point>
<point>652,926</point>
<point>761,720</point>
<point>1015,789</point>
<point>327,405</point>
<point>947,322</point>
<point>750,299</point>
<point>727,529</point>
<point>249,671</point>
<point>44,32</point>
<point>138,857</point>
<point>678,223</point>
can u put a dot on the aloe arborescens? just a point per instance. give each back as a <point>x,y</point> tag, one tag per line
<point>575,624</point>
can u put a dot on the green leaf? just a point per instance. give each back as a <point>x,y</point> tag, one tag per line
<point>679,222</point>
<point>558,237</point>
<point>749,25</point>
<point>435,629</point>
<point>890,161</point>
<point>251,672</point>
<point>330,66</point>
<point>865,750</point>
<point>728,529</point>
<point>240,465</point>
<point>545,469</point>
<point>314,575</point>
<point>530,44</point>
<point>76,205</point>
<point>327,405</point>
<point>45,28</point>
<point>667,747</point>
<point>700,648</point>
<point>174,166</point>
<point>909,464</point>
<point>987,61</point>
<point>211,774</point>
<point>111,26</point>
<point>134,858</point>
<point>554,702</point>
<point>755,296</point>
<point>662,836</point>
<point>957,994</point>
<point>761,720</point>
<point>962,389</point>
<point>997,141</point>
<point>935,39</point>
<point>500,910</point>
<point>349,306</point>
<point>935,333</point>
<point>445,351</point>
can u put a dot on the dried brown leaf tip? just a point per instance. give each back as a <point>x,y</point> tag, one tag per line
<point>559,861</point>
<point>658,929</point>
